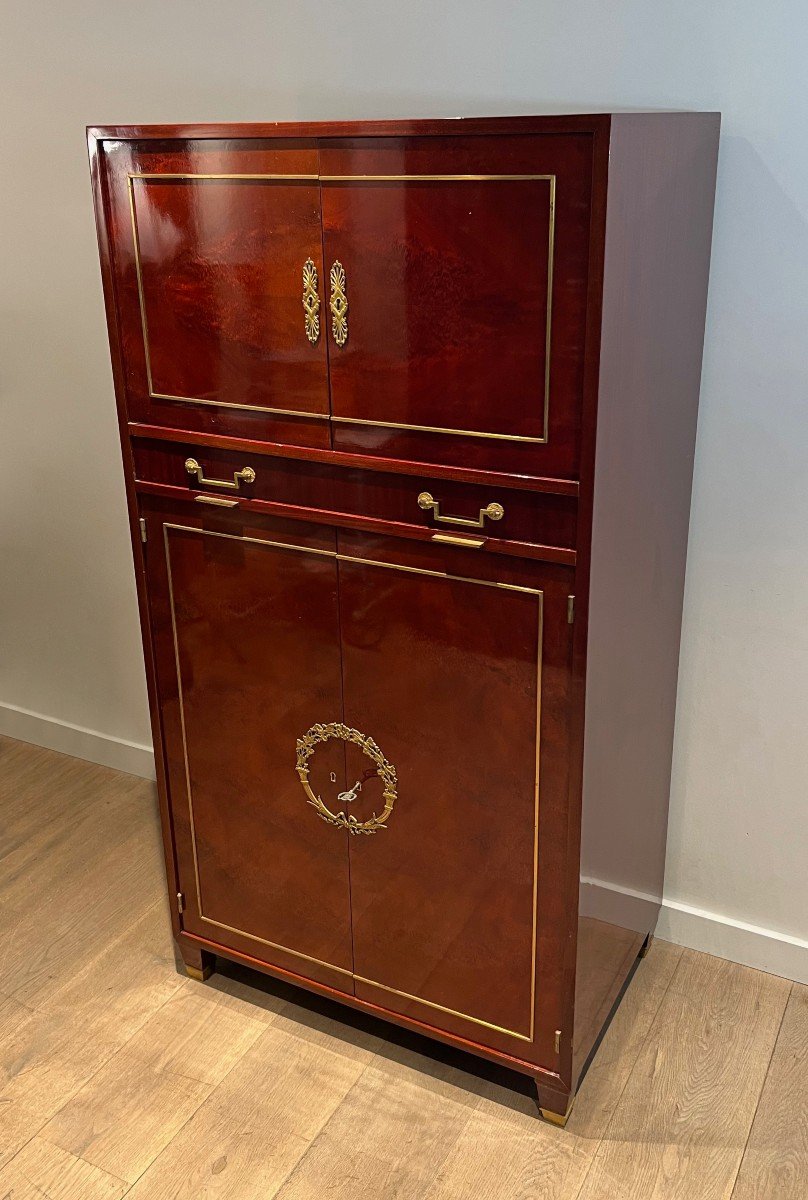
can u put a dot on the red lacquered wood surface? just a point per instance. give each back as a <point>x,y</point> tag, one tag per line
<point>466,272</point>
<point>210,241</point>
<point>446,673</point>
<point>432,285</point>
<point>536,518</point>
<point>359,462</point>
<point>445,895</point>
<point>248,658</point>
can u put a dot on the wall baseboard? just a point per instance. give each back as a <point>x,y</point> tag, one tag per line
<point>76,741</point>
<point>739,941</point>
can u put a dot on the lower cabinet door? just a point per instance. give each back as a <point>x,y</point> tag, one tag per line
<point>443,681</point>
<point>247,650</point>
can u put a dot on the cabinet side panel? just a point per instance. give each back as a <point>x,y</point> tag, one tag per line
<point>658,232</point>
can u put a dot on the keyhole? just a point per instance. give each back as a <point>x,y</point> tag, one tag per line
<point>333,777</point>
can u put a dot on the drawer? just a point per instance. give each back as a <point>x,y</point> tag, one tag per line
<point>541,525</point>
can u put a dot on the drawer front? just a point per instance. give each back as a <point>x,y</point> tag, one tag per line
<point>427,507</point>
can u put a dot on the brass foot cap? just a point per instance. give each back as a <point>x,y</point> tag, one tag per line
<point>199,976</point>
<point>555,1118</point>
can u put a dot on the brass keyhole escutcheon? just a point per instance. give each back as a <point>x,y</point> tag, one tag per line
<point>385,771</point>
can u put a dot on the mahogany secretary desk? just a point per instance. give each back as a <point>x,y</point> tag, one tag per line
<point>407,412</point>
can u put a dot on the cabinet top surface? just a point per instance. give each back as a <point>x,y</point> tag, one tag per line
<point>441,126</point>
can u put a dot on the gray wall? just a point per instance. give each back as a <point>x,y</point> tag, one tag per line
<point>70,650</point>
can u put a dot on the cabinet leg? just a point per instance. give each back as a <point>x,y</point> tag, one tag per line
<point>646,946</point>
<point>553,1106</point>
<point>199,964</point>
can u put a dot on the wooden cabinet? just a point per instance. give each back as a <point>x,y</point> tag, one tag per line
<point>407,414</point>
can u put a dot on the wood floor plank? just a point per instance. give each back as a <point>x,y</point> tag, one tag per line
<point>775,1163</point>
<point>246,1138</point>
<point>130,1110</point>
<point>18,1125</point>
<point>507,1152</point>
<point>390,1135</point>
<point>42,1170</point>
<point>117,1070</point>
<point>38,788</point>
<point>682,1122</point>
<point>47,1055</point>
<point>42,1061</point>
<point>98,875</point>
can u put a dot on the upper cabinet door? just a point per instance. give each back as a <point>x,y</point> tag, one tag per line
<point>218,257</point>
<point>457,286</point>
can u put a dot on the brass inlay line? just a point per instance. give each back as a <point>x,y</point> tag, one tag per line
<point>352,558</point>
<point>277,946</point>
<point>523,1037</point>
<point>506,437</point>
<point>487,178</point>
<point>283,412</point>
<point>373,562</point>
<point>427,178</point>
<point>226,175</point>
<point>297,953</point>
<point>503,437</point>
<point>144,324</point>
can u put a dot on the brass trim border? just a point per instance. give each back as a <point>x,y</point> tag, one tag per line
<point>506,437</point>
<point>394,567</point>
<point>144,324</point>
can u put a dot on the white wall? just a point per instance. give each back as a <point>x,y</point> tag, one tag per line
<point>70,648</point>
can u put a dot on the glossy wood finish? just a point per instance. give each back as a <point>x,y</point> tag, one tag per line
<point>431,665</point>
<point>210,239</point>
<point>119,1068</point>
<point>359,462</point>
<point>539,519</point>
<point>220,265</point>
<point>437,329</point>
<point>448,292</point>
<point>636,487</point>
<point>248,655</point>
<point>449,288</point>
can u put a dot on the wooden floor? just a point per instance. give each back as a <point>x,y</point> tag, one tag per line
<point>121,1077</point>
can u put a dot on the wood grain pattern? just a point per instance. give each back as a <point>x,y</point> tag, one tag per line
<point>390,1096</point>
<point>132,1108</point>
<point>674,1134</point>
<point>249,1136</point>
<point>446,249</point>
<point>775,1163</point>
<point>42,1170</point>
<point>319,1104</point>
<point>18,1125</point>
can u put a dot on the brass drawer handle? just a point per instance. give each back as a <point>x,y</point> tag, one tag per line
<point>494,512</point>
<point>339,304</point>
<point>246,473</point>
<point>311,302</point>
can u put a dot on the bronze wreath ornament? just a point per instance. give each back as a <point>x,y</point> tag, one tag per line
<point>385,770</point>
